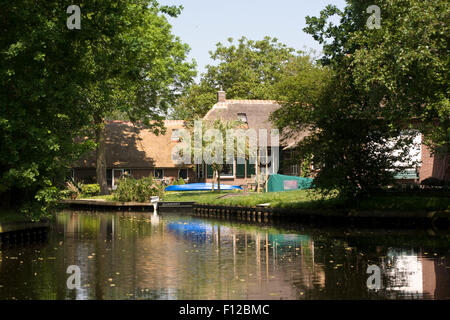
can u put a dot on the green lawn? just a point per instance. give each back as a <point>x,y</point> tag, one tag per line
<point>306,199</point>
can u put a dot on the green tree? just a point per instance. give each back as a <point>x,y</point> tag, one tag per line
<point>41,72</point>
<point>353,131</point>
<point>55,81</point>
<point>245,70</point>
<point>138,70</point>
<point>214,137</point>
<point>403,65</point>
<point>408,61</point>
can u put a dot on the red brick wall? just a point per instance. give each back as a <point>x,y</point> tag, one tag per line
<point>434,166</point>
<point>141,173</point>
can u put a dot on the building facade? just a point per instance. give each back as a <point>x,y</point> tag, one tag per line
<point>135,150</point>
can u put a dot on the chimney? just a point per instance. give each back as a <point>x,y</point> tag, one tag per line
<point>221,96</point>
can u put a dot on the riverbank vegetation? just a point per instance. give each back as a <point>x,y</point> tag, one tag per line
<point>371,85</point>
<point>308,199</point>
<point>58,85</point>
<point>10,215</point>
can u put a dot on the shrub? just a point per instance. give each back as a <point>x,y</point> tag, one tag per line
<point>181,181</point>
<point>72,191</point>
<point>130,189</point>
<point>90,189</point>
<point>432,182</point>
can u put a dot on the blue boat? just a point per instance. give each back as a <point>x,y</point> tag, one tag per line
<point>200,187</point>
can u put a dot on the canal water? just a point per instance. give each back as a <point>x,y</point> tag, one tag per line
<point>176,256</point>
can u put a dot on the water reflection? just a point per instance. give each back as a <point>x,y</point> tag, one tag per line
<point>173,256</point>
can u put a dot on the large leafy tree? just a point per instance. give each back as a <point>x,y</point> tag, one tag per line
<point>408,61</point>
<point>138,70</point>
<point>247,69</point>
<point>355,124</point>
<point>403,65</point>
<point>41,73</point>
<point>55,82</point>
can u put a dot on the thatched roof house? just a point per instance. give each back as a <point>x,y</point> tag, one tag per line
<point>135,149</point>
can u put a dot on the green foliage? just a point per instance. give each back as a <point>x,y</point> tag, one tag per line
<point>368,94</point>
<point>306,167</point>
<point>245,70</point>
<point>432,182</point>
<point>90,189</point>
<point>55,83</point>
<point>130,189</point>
<point>403,65</point>
<point>308,199</point>
<point>407,61</point>
<point>214,146</point>
<point>181,181</point>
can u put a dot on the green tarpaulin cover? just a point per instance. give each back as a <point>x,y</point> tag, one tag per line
<point>280,182</point>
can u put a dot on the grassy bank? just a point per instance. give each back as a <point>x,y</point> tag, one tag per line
<point>307,200</point>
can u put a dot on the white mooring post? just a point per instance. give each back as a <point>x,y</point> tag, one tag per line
<point>154,201</point>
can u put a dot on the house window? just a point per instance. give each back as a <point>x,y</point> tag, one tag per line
<point>242,117</point>
<point>183,174</point>
<point>117,174</point>
<point>227,170</point>
<point>294,169</point>
<point>265,156</point>
<point>158,173</point>
<point>175,135</point>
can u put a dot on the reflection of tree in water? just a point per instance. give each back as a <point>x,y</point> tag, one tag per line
<point>132,256</point>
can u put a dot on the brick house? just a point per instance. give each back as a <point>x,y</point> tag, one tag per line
<point>256,114</point>
<point>137,151</point>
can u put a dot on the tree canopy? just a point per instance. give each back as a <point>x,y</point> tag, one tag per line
<point>247,69</point>
<point>380,84</point>
<point>57,83</point>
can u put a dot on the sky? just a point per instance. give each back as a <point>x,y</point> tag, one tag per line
<point>203,23</point>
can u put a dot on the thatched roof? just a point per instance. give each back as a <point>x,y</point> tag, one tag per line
<point>131,145</point>
<point>258,113</point>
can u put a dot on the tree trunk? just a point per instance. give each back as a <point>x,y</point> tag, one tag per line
<point>101,155</point>
<point>218,181</point>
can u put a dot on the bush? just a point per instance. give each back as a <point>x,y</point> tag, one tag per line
<point>72,191</point>
<point>181,181</point>
<point>432,182</point>
<point>90,189</point>
<point>68,194</point>
<point>130,189</point>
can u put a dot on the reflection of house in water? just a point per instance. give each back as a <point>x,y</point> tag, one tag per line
<point>414,275</point>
